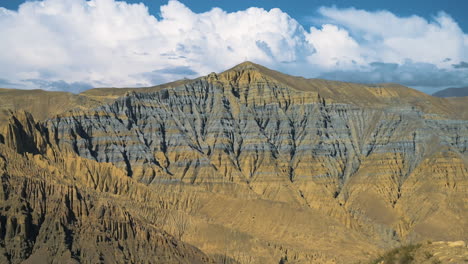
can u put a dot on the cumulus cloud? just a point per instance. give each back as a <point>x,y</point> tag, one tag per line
<point>334,47</point>
<point>386,37</point>
<point>408,50</point>
<point>75,44</point>
<point>116,44</point>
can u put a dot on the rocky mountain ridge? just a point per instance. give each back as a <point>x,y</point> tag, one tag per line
<point>378,166</point>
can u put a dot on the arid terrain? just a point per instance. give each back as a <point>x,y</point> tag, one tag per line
<point>245,166</point>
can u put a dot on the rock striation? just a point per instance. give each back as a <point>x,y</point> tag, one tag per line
<point>58,208</point>
<point>382,164</point>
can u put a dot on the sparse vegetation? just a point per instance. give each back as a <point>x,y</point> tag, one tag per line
<point>179,223</point>
<point>428,255</point>
<point>401,255</point>
<point>283,260</point>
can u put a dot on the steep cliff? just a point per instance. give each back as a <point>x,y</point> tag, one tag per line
<point>267,165</point>
<point>58,208</point>
<point>247,126</point>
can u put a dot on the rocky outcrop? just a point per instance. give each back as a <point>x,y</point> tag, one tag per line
<point>58,208</point>
<point>249,125</point>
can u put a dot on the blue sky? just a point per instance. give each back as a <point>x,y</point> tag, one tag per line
<point>302,9</point>
<point>76,44</point>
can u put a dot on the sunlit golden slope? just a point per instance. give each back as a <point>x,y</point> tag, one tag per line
<point>42,103</point>
<point>46,104</point>
<point>256,166</point>
<point>107,95</point>
<point>387,95</point>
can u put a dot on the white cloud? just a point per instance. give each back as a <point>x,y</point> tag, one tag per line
<point>335,48</point>
<point>388,38</point>
<point>112,43</point>
<point>106,42</point>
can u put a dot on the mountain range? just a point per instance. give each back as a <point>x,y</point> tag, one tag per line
<point>245,166</point>
<point>452,92</point>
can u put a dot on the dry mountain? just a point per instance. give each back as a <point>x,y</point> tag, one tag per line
<point>249,166</point>
<point>452,92</point>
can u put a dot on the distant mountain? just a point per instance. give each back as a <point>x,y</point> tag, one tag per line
<point>452,92</point>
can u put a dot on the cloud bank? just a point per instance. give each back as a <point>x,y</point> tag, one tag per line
<point>76,44</point>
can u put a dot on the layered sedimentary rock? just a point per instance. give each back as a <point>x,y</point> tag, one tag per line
<point>369,165</point>
<point>246,126</point>
<point>59,208</point>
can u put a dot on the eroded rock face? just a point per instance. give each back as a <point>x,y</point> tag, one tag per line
<point>243,126</point>
<point>60,209</point>
<point>248,128</point>
<point>386,162</point>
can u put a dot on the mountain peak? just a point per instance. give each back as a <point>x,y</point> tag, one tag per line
<point>246,65</point>
<point>246,72</point>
